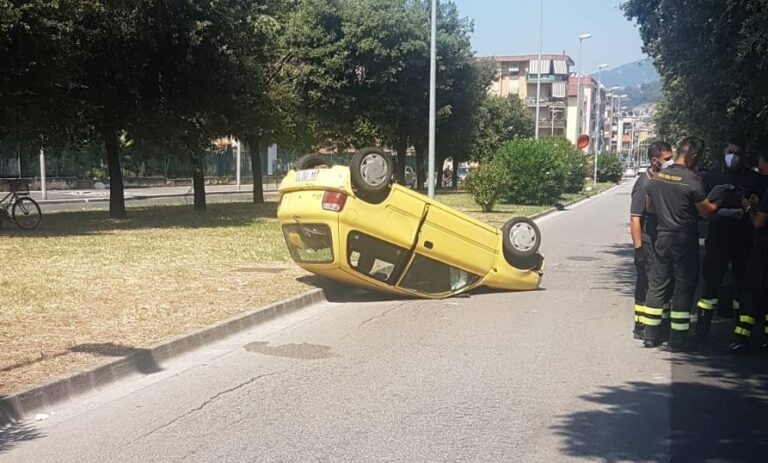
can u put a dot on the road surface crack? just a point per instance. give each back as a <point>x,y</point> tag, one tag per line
<point>206,403</point>
<point>383,314</point>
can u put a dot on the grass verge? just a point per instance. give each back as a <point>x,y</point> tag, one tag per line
<point>82,288</point>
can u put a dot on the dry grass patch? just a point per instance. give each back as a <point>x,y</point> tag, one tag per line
<point>82,284</point>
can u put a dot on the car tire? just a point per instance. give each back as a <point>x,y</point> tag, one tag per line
<point>310,161</point>
<point>521,238</point>
<point>371,170</point>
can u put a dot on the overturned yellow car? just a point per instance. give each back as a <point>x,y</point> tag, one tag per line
<point>356,226</point>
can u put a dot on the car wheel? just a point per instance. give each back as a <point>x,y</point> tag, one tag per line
<point>310,161</point>
<point>521,238</point>
<point>371,170</point>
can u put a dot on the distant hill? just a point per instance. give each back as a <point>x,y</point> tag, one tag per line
<point>631,75</point>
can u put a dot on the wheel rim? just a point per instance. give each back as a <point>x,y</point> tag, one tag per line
<point>522,236</point>
<point>374,170</point>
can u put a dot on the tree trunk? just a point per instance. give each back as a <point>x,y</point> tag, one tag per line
<point>421,173</point>
<point>116,194</point>
<point>254,149</point>
<point>401,146</point>
<point>455,174</point>
<point>198,180</point>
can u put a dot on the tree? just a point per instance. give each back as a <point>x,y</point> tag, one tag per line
<point>501,119</point>
<point>208,74</point>
<point>39,68</point>
<point>712,62</point>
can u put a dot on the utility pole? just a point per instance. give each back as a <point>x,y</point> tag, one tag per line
<point>237,160</point>
<point>43,187</point>
<point>432,85</point>
<point>598,128</point>
<point>538,66</point>
<point>582,38</point>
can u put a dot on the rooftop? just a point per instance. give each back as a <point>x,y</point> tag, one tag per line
<point>514,58</point>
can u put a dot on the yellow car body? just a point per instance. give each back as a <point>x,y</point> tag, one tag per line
<point>407,244</point>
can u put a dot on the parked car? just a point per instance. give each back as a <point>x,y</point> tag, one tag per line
<point>410,178</point>
<point>354,225</point>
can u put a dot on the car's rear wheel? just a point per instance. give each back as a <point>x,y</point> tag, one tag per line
<point>371,170</point>
<point>310,161</point>
<point>521,238</point>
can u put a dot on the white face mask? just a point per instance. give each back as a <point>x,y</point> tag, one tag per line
<point>731,159</point>
<point>668,163</point>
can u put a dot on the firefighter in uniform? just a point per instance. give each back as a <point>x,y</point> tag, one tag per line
<point>642,226</point>
<point>730,235</point>
<point>677,197</point>
<point>754,290</point>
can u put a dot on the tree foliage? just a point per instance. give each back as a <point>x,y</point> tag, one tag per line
<point>713,58</point>
<point>500,120</point>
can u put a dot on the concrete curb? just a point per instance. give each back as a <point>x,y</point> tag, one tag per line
<point>16,407</point>
<point>43,202</point>
<point>552,210</point>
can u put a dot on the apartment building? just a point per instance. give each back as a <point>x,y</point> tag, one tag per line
<point>519,75</point>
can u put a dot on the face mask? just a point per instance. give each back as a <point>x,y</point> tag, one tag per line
<point>668,163</point>
<point>731,160</point>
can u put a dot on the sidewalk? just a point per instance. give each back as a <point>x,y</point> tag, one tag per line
<point>86,196</point>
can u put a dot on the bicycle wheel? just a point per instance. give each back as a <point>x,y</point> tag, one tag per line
<point>26,213</point>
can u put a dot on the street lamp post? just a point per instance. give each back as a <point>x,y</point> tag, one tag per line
<point>582,38</point>
<point>432,85</point>
<point>237,161</point>
<point>598,129</point>
<point>538,65</point>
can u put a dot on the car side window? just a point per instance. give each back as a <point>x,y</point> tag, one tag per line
<point>429,276</point>
<point>375,258</point>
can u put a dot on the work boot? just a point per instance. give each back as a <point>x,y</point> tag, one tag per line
<point>652,336</point>
<point>703,326</point>
<point>637,332</point>
<point>678,341</point>
<point>740,345</point>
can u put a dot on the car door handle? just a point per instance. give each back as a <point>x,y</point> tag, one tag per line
<point>428,244</point>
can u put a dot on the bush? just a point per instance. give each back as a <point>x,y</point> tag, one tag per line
<point>576,164</point>
<point>533,171</point>
<point>609,167</point>
<point>483,183</point>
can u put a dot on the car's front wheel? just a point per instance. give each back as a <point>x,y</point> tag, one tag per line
<point>521,238</point>
<point>371,170</point>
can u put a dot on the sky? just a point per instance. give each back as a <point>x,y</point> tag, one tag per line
<point>511,27</point>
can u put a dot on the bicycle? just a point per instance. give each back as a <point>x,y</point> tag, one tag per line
<point>24,211</point>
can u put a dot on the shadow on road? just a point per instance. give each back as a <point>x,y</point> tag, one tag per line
<point>141,359</point>
<point>15,433</point>
<point>717,411</point>
<point>704,422</point>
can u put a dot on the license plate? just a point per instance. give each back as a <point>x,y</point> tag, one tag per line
<point>306,175</point>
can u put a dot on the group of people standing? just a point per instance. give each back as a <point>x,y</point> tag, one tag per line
<point>668,202</point>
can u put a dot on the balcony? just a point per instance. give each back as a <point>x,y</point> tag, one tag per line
<point>553,102</point>
<point>547,122</point>
<point>546,78</point>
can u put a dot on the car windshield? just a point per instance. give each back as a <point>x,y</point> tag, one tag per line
<point>309,243</point>
<point>429,276</point>
<point>375,258</point>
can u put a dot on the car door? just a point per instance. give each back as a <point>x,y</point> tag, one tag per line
<point>452,238</point>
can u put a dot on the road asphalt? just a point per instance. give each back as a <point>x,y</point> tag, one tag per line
<point>544,376</point>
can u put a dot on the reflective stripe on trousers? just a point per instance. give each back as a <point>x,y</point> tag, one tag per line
<point>707,304</point>
<point>680,320</point>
